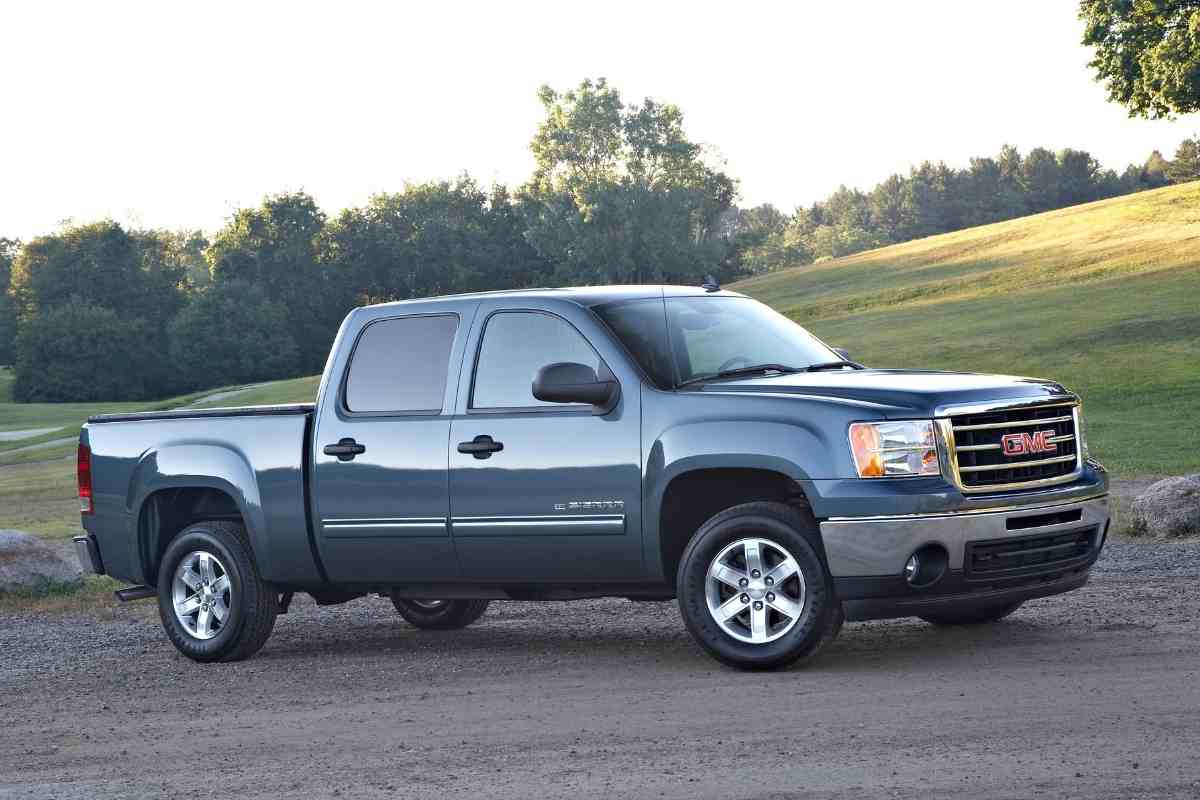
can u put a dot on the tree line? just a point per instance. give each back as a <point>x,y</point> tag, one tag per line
<point>619,194</point>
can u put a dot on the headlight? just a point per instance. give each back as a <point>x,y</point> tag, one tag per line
<point>893,449</point>
<point>1081,431</point>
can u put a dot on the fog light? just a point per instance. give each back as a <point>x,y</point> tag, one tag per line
<point>926,566</point>
<point>911,568</point>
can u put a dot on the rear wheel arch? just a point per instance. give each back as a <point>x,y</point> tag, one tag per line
<point>166,512</point>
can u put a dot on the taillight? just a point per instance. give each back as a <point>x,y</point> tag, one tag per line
<point>83,468</point>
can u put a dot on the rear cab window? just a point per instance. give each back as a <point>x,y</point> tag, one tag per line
<point>400,366</point>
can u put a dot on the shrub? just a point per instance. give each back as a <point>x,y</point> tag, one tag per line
<point>228,334</point>
<point>80,352</point>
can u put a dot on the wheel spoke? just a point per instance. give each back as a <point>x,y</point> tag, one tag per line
<point>191,578</point>
<point>220,585</point>
<point>220,610</point>
<point>758,623</point>
<point>202,623</point>
<point>187,606</point>
<point>783,570</point>
<point>785,605</point>
<point>206,567</point>
<point>730,608</point>
<point>728,575</point>
<point>753,556</point>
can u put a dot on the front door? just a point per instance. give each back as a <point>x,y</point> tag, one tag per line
<point>555,493</point>
<point>379,480</point>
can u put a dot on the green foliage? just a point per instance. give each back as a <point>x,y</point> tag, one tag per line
<point>274,247</point>
<point>1147,53</point>
<point>229,334</point>
<point>80,351</point>
<point>8,307</point>
<point>620,194</point>
<point>1186,165</point>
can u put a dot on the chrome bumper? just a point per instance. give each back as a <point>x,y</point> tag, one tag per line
<point>88,554</point>
<point>879,546</point>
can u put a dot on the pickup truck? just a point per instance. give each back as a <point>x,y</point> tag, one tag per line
<point>648,443</point>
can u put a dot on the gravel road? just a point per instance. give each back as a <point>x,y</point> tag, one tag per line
<point>1094,694</point>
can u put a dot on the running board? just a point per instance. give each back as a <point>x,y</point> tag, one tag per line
<point>135,593</point>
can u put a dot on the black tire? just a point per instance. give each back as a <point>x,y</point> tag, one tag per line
<point>440,615</point>
<point>252,604</point>
<point>794,531</point>
<point>977,616</point>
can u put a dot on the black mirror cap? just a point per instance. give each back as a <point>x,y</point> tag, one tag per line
<point>568,382</point>
<point>843,352</point>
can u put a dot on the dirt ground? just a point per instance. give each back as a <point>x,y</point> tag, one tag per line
<point>1092,694</point>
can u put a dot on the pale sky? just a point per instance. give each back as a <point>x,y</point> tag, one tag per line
<point>173,115</point>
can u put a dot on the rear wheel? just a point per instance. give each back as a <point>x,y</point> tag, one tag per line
<point>978,616</point>
<point>212,602</point>
<point>753,590</point>
<point>440,614</point>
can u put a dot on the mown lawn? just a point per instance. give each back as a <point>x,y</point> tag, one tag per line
<point>1103,297</point>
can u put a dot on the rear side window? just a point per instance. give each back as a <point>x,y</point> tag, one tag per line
<point>516,344</point>
<point>400,365</point>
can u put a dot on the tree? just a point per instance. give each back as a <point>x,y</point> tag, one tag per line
<point>1147,53</point>
<point>620,194</point>
<point>274,247</point>
<point>1077,176</point>
<point>77,351</point>
<point>1186,164</point>
<point>230,333</point>
<point>8,308</point>
<point>1039,175</point>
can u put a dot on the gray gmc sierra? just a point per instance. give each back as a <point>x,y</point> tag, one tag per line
<point>641,442</point>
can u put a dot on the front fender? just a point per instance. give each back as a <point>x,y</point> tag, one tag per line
<point>210,465</point>
<point>800,450</point>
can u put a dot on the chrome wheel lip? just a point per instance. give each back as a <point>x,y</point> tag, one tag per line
<point>202,595</point>
<point>743,598</point>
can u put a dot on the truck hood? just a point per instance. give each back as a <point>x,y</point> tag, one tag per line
<point>895,393</point>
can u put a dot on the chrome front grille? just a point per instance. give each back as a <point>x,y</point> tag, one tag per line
<point>1011,448</point>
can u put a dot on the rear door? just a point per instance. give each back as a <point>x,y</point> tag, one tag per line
<point>380,488</point>
<point>559,499</point>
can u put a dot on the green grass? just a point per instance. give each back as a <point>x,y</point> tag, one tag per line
<point>1103,297</point>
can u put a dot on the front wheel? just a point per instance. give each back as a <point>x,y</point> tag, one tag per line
<point>753,590</point>
<point>978,616</point>
<point>440,614</point>
<point>212,602</point>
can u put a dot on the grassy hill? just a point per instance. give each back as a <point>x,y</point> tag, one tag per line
<point>1104,297</point>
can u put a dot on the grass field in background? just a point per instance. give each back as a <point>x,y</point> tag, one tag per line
<point>1104,297</point>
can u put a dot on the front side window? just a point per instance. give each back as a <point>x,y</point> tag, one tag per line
<point>702,337</point>
<point>516,344</point>
<point>400,365</point>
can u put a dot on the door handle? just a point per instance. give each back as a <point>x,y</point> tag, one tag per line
<point>481,447</point>
<point>345,449</point>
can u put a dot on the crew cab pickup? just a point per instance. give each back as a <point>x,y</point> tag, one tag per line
<point>649,443</point>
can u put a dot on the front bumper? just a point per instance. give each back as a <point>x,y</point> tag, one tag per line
<point>866,557</point>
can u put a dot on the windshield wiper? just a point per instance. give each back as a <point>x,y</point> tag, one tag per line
<point>824,365</point>
<point>753,369</point>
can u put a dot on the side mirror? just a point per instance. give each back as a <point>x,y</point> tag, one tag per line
<point>567,382</point>
<point>843,352</point>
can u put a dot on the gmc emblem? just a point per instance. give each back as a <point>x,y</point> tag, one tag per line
<point>1020,444</point>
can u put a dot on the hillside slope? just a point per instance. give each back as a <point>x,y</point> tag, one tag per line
<point>1104,297</point>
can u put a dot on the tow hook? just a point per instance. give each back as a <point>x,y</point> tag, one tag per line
<point>135,593</point>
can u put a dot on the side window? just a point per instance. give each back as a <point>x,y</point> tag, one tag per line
<point>400,365</point>
<point>516,344</point>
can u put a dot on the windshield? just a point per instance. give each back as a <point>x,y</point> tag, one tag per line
<point>684,339</point>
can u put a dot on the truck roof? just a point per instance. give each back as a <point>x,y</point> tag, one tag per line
<point>583,295</point>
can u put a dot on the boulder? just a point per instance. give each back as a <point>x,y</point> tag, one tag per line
<point>27,564</point>
<point>1168,509</point>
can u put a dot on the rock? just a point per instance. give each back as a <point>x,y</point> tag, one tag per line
<point>27,564</point>
<point>1168,509</point>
